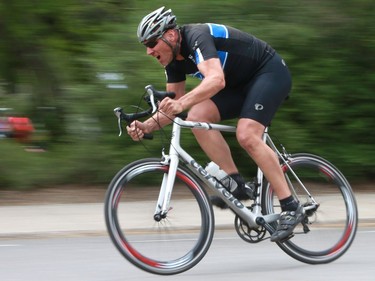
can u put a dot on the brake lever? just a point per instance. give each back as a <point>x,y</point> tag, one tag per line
<point>150,91</point>
<point>118,112</point>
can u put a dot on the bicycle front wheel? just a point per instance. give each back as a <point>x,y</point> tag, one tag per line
<point>331,210</point>
<point>175,243</point>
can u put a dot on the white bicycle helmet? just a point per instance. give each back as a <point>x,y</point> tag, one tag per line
<point>155,24</point>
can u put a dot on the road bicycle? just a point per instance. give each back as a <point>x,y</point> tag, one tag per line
<point>159,216</point>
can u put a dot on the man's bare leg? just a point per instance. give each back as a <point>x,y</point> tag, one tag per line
<point>249,135</point>
<point>212,142</point>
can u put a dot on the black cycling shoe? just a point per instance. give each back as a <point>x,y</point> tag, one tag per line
<point>287,222</point>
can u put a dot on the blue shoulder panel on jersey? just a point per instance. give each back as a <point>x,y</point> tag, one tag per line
<point>217,31</point>
<point>220,31</point>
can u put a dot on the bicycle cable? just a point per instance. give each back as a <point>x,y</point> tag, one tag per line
<point>163,134</point>
<point>162,130</point>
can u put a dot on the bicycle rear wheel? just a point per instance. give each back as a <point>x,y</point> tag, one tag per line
<point>331,209</point>
<point>174,244</point>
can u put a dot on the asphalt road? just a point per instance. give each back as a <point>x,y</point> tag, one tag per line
<point>94,258</point>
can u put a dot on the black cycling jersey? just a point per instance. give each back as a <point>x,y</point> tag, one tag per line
<point>241,54</point>
<point>257,79</point>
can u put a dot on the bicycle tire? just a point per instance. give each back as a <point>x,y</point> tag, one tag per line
<point>333,226</point>
<point>176,243</point>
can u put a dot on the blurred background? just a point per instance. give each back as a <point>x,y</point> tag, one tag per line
<point>65,65</point>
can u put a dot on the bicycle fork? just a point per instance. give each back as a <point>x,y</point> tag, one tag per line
<point>171,161</point>
<point>162,206</point>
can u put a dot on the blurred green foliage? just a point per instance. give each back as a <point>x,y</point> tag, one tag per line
<point>55,54</point>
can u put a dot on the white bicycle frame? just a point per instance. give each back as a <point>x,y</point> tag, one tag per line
<point>177,153</point>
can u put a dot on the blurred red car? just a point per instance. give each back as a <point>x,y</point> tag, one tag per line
<point>20,128</point>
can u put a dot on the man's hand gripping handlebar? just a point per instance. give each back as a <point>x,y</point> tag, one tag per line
<point>153,97</point>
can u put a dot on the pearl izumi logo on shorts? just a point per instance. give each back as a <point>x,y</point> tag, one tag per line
<point>259,106</point>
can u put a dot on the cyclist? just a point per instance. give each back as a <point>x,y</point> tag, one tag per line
<point>241,77</point>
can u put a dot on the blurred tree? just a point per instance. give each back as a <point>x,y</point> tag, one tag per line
<point>44,45</point>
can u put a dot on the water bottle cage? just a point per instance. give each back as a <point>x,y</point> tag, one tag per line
<point>229,183</point>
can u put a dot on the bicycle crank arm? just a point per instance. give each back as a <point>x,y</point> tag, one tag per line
<point>262,222</point>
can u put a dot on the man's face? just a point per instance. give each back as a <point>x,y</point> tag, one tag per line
<point>160,50</point>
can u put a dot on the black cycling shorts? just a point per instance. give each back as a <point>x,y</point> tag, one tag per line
<point>260,98</point>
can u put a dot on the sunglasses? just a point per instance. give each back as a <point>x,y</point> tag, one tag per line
<point>154,41</point>
<point>151,43</point>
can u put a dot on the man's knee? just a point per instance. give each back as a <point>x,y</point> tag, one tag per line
<point>249,134</point>
<point>246,139</point>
